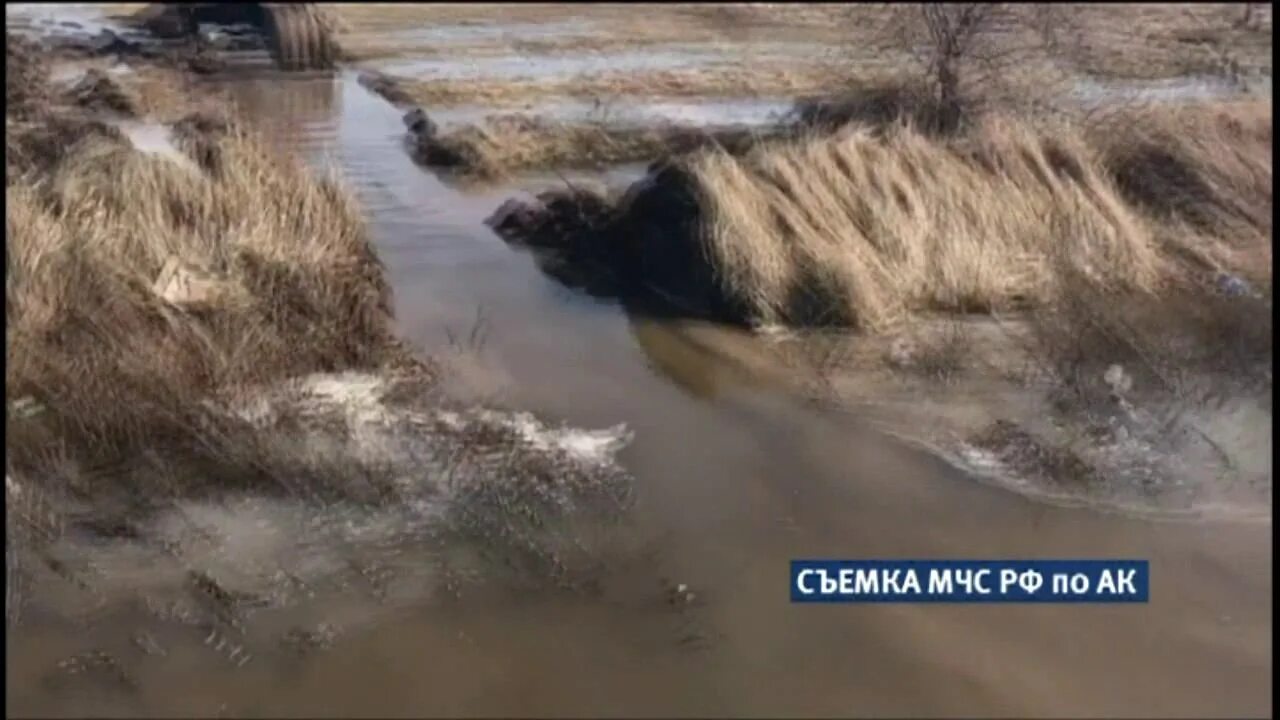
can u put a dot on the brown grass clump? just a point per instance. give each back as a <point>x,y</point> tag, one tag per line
<point>868,226</point>
<point>879,226</point>
<point>138,288</point>
<point>25,76</point>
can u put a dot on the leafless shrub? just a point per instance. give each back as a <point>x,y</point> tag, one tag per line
<point>941,355</point>
<point>971,56</point>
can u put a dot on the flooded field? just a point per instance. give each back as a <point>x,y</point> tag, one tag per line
<point>735,474</point>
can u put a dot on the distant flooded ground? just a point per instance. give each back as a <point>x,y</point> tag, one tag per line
<point>735,477</point>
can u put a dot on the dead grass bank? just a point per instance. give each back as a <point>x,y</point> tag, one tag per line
<point>866,226</point>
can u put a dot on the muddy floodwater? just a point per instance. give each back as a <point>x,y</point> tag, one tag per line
<point>734,478</point>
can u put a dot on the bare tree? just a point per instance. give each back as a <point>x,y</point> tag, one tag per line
<point>961,47</point>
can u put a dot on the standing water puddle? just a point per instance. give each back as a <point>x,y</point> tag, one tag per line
<point>733,481</point>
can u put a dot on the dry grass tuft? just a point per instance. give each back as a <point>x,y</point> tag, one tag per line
<point>138,288</point>
<point>864,228</point>
<point>25,77</point>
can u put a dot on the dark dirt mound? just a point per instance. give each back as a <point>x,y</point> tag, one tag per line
<point>643,248</point>
<point>568,227</point>
<point>420,124</point>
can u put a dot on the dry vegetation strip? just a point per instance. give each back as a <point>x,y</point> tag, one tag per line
<point>889,225</point>
<point>882,226</point>
<point>900,221</point>
<point>867,226</point>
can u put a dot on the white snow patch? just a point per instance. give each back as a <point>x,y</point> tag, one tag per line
<point>595,447</point>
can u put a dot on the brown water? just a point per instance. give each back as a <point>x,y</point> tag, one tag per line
<point>734,480</point>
